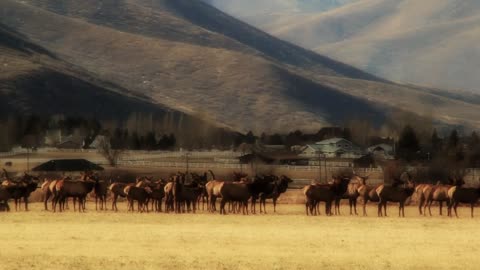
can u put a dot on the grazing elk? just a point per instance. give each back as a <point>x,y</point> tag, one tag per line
<point>235,192</point>
<point>274,191</point>
<point>399,192</point>
<point>459,194</point>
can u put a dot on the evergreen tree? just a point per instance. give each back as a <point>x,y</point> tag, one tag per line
<point>408,145</point>
<point>453,140</point>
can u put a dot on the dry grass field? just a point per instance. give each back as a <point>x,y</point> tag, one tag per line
<point>287,240</point>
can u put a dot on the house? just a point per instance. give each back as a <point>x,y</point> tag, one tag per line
<point>70,142</point>
<point>332,148</point>
<point>382,150</point>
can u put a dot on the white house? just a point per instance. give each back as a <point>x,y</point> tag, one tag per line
<point>332,148</point>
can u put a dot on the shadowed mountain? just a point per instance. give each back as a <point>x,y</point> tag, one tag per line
<point>191,57</point>
<point>34,81</point>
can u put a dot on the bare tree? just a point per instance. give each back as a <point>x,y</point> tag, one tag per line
<point>106,150</point>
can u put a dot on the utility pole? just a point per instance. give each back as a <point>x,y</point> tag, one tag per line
<point>325,157</point>
<point>28,159</point>
<point>186,160</point>
<point>319,167</point>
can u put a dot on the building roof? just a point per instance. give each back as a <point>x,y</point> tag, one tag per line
<point>68,165</point>
<point>332,141</point>
<point>384,146</point>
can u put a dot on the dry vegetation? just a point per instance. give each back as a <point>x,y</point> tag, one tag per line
<point>288,240</point>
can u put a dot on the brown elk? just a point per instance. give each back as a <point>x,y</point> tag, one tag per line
<point>420,191</point>
<point>436,193</point>
<point>274,191</point>
<point>75,189</point>
<point>327,193</point>
<point>459,194</point>
<point>395,193</point>
<point>101,190</point>
<point>235,192</point>
<point>138,194</point>
<point>21,188</point>
<point>118,190</point>
<point>356,185</point>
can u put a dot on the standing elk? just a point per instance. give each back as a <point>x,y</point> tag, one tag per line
<point>118,190</point>
<point>139,194</point>
<point>368,193</point>
<point>274,191</point>
<point>435,193</point>
<point>101,190</point>
<point>21,188</point>
<point>395,193</point>
<point>235,192</point>
<point>355,186</point>
<point>459,194</point>
<point>327,193</point>
<point>75,189</point>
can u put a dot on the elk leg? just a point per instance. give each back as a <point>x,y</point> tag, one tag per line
<point>275,204</point>
<point>441,205</point>
<point>222,207</point>
<point>47,196</point>
<point>26,203</point>
<point>455,208</point>
<point>471,208</point>
<point>385,208</point>
<point>420,204</point>
<point>379,212</point>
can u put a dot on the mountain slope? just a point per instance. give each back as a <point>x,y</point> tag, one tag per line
<point>387,38</point>
<point>208,64</point>
<point>35,81</point>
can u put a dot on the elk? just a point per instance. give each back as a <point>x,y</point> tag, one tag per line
<point>459,194</point>
<point>138,194</point>
<point>168,190</point>
<point>437,193</point>
<point>212,189</point>
<point>117,190</point>
<point>259,185</point>
<point>275,190</point>
<point>357,183</point>
<point>235,192</point>
<point>75,189</point>
<point>327,193</point>
<point>100,190</point>
<point>157,195</point>
<point>395,193</point>
<point>21,188</point>
<point>368,193</point>
<point>420,191</point>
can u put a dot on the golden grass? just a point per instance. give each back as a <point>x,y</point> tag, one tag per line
<point>288,240</point>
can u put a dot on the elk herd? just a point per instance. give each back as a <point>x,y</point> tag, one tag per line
<point>190,192</point>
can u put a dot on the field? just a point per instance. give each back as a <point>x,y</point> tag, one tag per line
<point>286,240</point>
